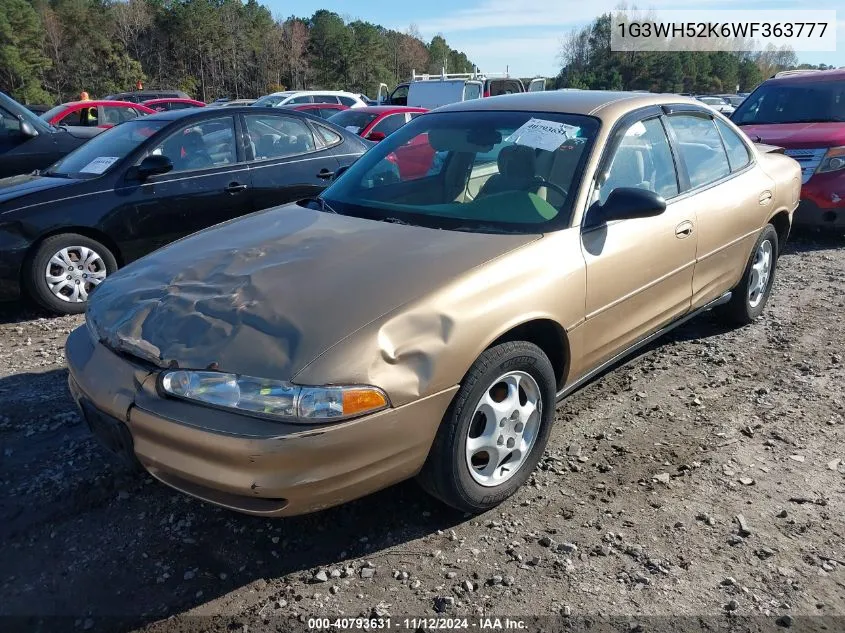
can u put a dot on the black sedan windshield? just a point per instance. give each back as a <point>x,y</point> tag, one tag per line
<point>804,102</point>
<point>486,171</point>
<point>106,150</point>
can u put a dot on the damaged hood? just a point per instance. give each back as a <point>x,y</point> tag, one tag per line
<point>266,294</point>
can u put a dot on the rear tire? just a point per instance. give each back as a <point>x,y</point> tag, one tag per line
<point>750,296</point>
<point>65,269</point>
<point>495,430</point>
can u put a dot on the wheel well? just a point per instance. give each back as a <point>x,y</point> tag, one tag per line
<point>550,337</point>
<point>781,223</point>
<point>94,234</point>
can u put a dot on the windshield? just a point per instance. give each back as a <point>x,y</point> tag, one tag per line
<point>105,150</point>
<point>484,171</point>
<point>800,102</point>
<point>271,101</point>
<point>353,120</point>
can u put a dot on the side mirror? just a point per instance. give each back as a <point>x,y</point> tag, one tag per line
<point>28,130</point>
<point>152,166</point>
<point>376,136</point>
<point>626,203</point>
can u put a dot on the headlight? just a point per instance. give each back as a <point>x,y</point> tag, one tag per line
<point>273,398</point>
<point>834,160</point>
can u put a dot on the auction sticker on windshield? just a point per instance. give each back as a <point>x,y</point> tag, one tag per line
<point>99,165</point>
<point>542,134</point>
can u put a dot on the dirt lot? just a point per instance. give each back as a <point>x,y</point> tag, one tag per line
<point>634,509</point>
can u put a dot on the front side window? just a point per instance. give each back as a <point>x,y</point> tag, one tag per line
<point>389,124</point>
<point>738,154</point>
<point>437,171</point>
<point>10,126</point>
<point>105,151</point>
<point>324,98</point>
<point>400,95</point>
<point>274,136</point>
<point>77,117</point>
<point>301,99</point>
<point>202,145</point>
<point>642,160</point>
<point>700,148</point>
<point>347,101</point>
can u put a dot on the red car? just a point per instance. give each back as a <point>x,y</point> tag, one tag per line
<point>805,114</point>
<point>323,110</point>
<point>95,113</point>
<point>375,123</point>
<point>173,103</point>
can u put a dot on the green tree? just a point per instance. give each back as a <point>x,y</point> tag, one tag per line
<point>22,60</point>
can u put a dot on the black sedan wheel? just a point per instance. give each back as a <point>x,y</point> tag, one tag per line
<point>66,269</point>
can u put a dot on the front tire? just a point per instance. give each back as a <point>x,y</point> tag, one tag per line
<point>65,269</point>
<point>495,430</point>
<point>750,296</point>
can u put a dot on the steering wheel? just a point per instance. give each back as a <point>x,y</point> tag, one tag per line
<point>539,180</point>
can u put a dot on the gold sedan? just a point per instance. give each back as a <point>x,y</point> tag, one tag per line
<point>425,314</point>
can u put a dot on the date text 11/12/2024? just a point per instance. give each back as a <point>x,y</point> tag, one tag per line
<point>415,624</point>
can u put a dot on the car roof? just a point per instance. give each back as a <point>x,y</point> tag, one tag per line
<point>102,102</point>
<point>817,76</point>
<point>603,104</point>
<point>173,115</point>
<point>384,109</point>
<point>181,99</point>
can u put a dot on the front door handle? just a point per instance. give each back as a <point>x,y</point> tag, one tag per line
<point>684,229</point>
<point>235,187</point>
<point>325,174</point>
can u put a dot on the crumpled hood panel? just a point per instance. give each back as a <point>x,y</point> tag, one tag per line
<point>266,294</point>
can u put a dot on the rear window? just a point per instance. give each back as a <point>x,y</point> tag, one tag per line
<point>504,87</point>
<point>799,102</point>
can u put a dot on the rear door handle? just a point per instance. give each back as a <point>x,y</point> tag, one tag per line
<point>765,197</point>
<point>235,187</point>
<point>325,174</point>
<point>684,229</point>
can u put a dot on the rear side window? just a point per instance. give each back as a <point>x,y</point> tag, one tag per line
<point>325,99</point>
<point>328,136</point>
<point>738,154</point>
<point>701,149</point>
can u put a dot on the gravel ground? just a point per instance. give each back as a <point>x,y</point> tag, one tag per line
<point>703,477</point>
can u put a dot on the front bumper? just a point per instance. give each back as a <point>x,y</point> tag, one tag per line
<point>822,201</point>
<point>247,464</point>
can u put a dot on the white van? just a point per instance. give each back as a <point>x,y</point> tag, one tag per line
<point>433,91</point>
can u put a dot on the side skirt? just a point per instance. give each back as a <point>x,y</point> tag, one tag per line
<point>639,344</point>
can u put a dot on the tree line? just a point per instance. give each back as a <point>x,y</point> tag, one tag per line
<point>588,62</point>
<point>51,50</point>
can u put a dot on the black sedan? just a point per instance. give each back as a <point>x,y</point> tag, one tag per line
<point>28,143</point>
<point>152,180</point>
